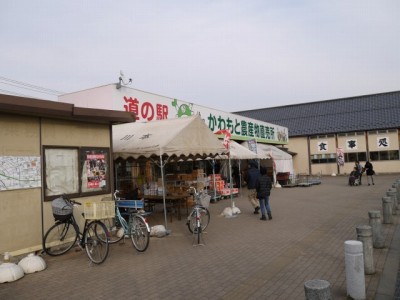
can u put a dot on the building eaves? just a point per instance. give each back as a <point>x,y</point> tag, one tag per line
<point>59,110</point>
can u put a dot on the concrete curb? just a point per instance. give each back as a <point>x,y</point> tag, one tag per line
<point>387,282</point>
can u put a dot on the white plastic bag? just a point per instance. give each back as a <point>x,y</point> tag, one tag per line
<point>158,231</point>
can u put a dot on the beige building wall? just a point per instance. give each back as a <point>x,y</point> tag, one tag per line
<point>23,214</point>
<point>373,140</point>
<point>343,142</point>
<point>299,145</point>
<point>20,210</point>
<point>301,159</point>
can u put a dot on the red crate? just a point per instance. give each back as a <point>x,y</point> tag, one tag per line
<point>219,184</point>
<point>216,176</point>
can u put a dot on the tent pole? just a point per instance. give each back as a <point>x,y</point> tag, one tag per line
<point>240,178</point>
<point>215,190</point>
<point>230,181</point>
<point>163,185</point>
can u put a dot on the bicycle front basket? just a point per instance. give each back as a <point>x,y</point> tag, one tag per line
<point>62,210</point>
<point>205,199</point>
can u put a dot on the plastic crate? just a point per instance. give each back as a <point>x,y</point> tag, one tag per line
<point>138,204</point>
<point>99,210</point>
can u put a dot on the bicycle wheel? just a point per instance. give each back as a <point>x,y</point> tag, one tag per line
<point>96,242</point>
<point>140,234</point>
<point>115,232</point>
<point>59,238</point>
<point>204,219</point>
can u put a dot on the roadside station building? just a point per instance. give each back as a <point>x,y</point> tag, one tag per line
<point>149,107</point>
<point>47,149</point>
<point>355,128</point>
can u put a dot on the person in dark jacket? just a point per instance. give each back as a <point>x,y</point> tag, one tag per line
<point>263,188</point>
<point>252,175</point>
<point>369,169</point>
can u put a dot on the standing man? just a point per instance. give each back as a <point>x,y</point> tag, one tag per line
<point>369,169</point>
<point>359,170</point>
<point>263,187</point>
<point>252,176</point>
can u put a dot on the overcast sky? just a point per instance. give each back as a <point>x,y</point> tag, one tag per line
<point>229,55</point>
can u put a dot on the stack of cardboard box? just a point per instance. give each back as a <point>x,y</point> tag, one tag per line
<point>217,183</point>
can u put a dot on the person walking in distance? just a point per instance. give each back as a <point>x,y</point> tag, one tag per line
<point>359,171</point>
<point>252,175</point>
<point>263,188</point>
<point>369,170</point>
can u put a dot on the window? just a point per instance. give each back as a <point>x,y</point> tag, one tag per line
<point>61,171</point>
<point>75,171</point>
<point>362,156</point>
<point>384,155</point>
<point>323,158</point>
<point>354,156</point>
<point>394,155</point>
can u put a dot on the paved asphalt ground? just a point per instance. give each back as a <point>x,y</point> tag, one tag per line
<point>243,257</point>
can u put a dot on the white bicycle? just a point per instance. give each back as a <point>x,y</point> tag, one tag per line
<point>199,217</point>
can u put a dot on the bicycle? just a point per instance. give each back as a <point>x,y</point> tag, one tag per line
<point>65,233</point>
<point>199,217</point>
<point>136,227</point>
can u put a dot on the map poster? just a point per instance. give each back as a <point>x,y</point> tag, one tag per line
<point>19,172</point>
<point>96,166</point>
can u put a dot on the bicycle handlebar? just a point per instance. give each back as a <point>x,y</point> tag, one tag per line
<point>115,194</point>
<point>75,202</point>
<point>70,200</point>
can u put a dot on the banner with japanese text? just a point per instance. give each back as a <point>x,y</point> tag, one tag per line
<point>340,156</point>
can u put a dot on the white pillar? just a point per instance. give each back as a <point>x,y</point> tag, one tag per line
<point>392,193</point>
<point>364,235</point>
<point>396,186</point>
<point>387,210</point>
<point>375,222</point>
<point>354,264</point>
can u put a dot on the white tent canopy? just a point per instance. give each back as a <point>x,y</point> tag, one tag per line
<point>238,151</point>
<point>283,161</point>
<point>188,137</point>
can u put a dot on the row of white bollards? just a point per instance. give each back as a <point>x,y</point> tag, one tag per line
<point>354,264</point>
<point>359,259</point>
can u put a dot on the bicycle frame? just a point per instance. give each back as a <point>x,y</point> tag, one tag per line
<point>127,225</point>
<point>198,218</point>
<point>63,235</point>
<point>136,227</point>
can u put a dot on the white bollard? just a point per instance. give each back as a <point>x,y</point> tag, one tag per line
<point>354,264</point>
<point>378,240</point>
<point>392,193</point>
<point>387,210</point>
<point>396,186</point>
<point>364,235</point>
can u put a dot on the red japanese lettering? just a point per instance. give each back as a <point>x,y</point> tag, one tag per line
<point>132,106</point>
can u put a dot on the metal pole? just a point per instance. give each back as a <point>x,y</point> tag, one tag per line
<point>230,181</point>
<point>163,184</point>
